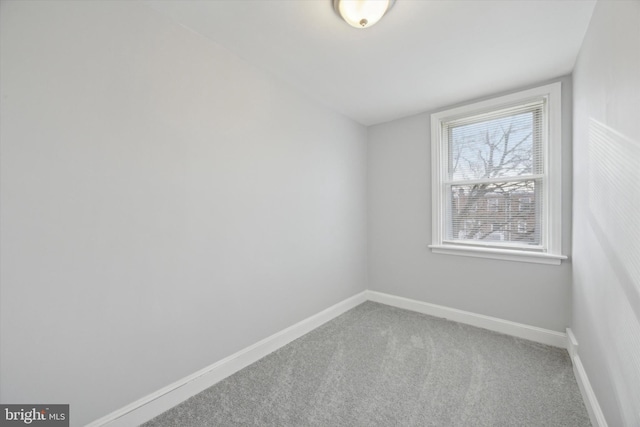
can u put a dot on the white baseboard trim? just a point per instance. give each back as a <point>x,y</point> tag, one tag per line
<point>572,344</point>
<point>164,399</point>
<point>520,330</point>
<point>588,395</point>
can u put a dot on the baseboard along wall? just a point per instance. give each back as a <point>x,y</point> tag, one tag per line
<point>588,395</point>
<point>520,330</point>
<point>164,399</point>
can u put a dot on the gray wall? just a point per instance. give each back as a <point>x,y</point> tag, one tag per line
<point>164,204</point>
<point>606,246</point>
<point>400,262</point>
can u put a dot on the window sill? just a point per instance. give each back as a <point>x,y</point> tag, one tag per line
<point>503,254</point>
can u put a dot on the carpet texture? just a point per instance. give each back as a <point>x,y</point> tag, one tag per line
<point>378,365</point>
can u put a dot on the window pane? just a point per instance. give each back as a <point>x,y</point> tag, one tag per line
<point>499,147</point>
<point>506,212</point>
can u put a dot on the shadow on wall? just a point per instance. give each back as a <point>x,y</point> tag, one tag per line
<point>614,203</point>
<point>614,218</point>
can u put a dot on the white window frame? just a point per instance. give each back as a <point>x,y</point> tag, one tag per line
<point>550,250</point>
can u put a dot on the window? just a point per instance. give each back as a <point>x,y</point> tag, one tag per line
<point>525,204</point>
<point>493,205</point>
<point>522,227</point>
<point>498,162</point>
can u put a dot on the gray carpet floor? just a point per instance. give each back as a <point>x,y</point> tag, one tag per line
<point>378,365</point>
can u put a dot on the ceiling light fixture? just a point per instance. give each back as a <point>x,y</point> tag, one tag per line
<point>362,13</point>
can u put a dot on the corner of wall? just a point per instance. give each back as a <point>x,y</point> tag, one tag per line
<point>588,395</point>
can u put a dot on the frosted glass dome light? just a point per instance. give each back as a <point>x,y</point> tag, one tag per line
<point>362,13</point>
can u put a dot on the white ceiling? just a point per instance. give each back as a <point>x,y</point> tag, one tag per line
<point>421,56</point>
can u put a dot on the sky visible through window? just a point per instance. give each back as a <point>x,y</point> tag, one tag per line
<point>501,147</point>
